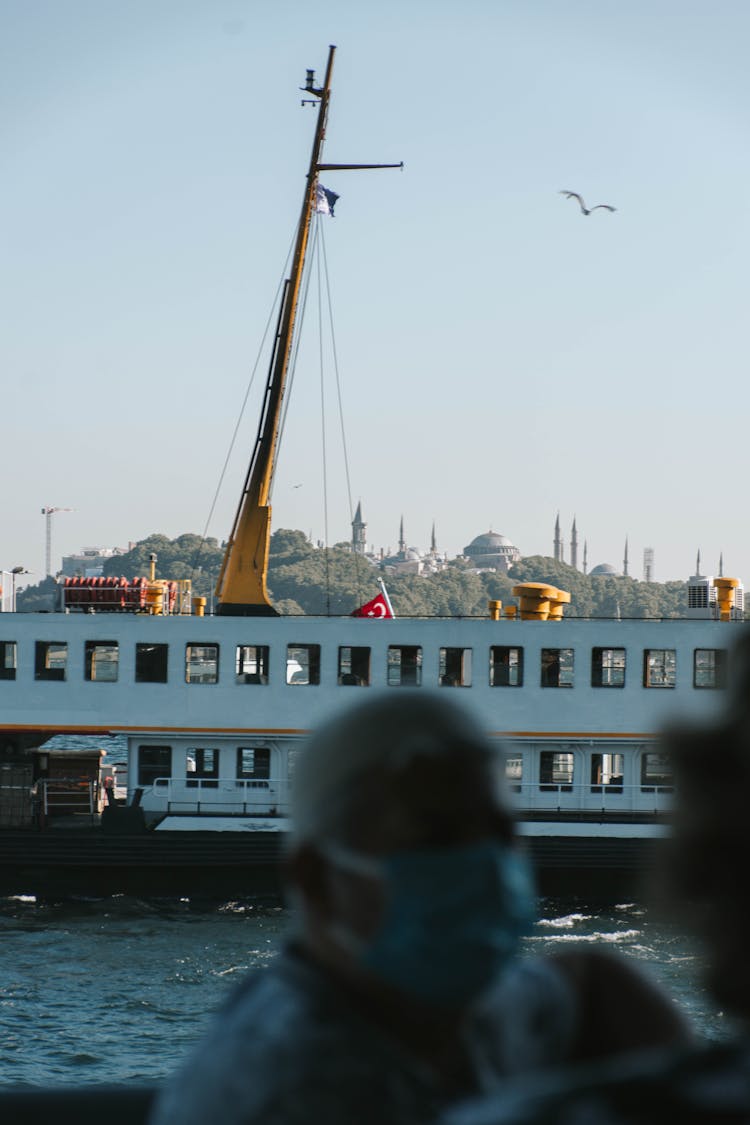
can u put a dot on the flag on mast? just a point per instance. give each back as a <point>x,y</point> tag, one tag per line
<point>379,606</point>
<point>325,200</point>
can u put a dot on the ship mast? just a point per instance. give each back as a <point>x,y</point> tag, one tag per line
<point>241,587</point>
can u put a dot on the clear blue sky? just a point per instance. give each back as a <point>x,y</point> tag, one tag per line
<point>503,357</point>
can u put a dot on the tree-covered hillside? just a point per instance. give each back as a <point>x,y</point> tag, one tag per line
<point>305,579</point>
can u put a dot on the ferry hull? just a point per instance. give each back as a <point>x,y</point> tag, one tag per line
<point>219,866</point>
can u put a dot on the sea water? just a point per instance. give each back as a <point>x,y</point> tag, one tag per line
<point>119,989</point>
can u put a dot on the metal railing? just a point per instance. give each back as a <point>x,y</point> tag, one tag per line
<point>73,794</point>
<point>214,795</point>
<point>575,796</point>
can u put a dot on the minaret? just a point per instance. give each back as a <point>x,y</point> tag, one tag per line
<point>433,541</point>
<point>721,565</point>
<point>574,545</point>
<point>558,541</point>
<point>585,556</point>
<point>401,540</point>
<point>625,560</point>
<point>698,564</point>
<point>359,532</point>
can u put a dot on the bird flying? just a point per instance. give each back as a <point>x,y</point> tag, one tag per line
<point>586,210</point>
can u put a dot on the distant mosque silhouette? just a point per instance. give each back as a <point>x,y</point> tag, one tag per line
<point>602,570</point>
<point>488,551</point>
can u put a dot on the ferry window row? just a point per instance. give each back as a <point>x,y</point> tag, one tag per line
<point>557,666</point>
<point>602,773</point>
<point>253,766</point>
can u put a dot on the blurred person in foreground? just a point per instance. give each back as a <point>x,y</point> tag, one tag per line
<point>398,991</point>
<point>704,881</point>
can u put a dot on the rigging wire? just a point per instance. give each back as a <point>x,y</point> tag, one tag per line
<point>323,426</point>
<point>357,559</point>
<point>240,416</point>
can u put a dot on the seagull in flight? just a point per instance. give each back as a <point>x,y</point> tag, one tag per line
<point>586,210</point>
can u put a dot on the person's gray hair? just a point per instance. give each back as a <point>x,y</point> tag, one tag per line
<point>352,760</point>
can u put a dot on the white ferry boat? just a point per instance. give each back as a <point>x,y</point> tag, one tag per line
<point>214,707</point>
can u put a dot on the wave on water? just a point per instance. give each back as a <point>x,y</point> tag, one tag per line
<point>567,921</point>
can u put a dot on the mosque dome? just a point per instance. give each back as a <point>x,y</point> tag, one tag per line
<point>492,551</point>
<point>604,570</point>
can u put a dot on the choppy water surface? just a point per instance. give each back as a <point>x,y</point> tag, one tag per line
<point>119,989</point>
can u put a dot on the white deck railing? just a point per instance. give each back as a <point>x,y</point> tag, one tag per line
<point>208,795</point>
<point>576,797</point>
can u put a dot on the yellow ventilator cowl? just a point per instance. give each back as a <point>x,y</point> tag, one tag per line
<point>496,609</point>
<point>155,597</point>
<point>511,611</point>
<point>199,606</point>
<point>556,604</point>
<point>725,588</point>
<point>534,598</point>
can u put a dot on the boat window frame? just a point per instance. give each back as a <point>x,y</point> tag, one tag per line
<point>598,668</point>
<point>260,775</point>
<point>516,667</point>
<point>160,649</point>
<point>359,667</point>
<point>647,785</point>
<point>392,666</point>
<point>513,771</point>
<point>8,671</point>
<point>313,664</point>
<point>452,672</point>
<point>151,778</point>
<point>550,785</point>
<point>89,661</point>
<point>261,662</point>
<point>203,776</point>
<point>670,674</point>
<point>207,678</point>
<point>42,670</point>
<point>615,783</point>
<point>565,667</point>
<point>719,669</point>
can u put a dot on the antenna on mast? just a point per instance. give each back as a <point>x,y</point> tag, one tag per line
<point>48,513</point>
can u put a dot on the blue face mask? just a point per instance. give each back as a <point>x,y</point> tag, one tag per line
<point>453,919</point>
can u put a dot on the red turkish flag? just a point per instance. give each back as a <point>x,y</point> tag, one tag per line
<point>378,607</point>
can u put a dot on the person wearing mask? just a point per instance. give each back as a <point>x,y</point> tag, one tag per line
<point>399,991</point>
<point>702,882</point>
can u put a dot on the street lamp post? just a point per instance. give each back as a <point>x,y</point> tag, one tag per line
<point>14,572</point>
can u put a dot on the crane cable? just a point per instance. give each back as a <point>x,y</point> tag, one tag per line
<point>241,413</point>
<point>357,559</point>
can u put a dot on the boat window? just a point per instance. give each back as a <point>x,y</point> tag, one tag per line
<point>606,773</point>
<point>455,667</point>
<point>710,668</point>
<point>201,664</point>
<point>302,664</point>
<point>608,667</point>
<point>202,765</point>
<point>656,773</point>
<point>557,667</point>
<point>253,763</point>
<point>51,660</point>
<point>101,661</point>
<point>404,666</point>
<point>151,664</point>
<point>659,667</point>
<point>514,772</point>
<point>556,771</point>
<point>8,656</point>
<point>154,762</point>
<point>251,664</point>
<point>506,666</point>
<point>354,665</point>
